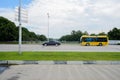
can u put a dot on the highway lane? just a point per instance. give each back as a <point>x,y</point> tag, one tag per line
<point>63,47</point>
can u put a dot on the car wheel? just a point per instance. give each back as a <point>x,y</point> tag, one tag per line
<point>45,44</point>
<point>56,44</point>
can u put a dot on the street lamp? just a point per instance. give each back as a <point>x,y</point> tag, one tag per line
<point>48,25</point>
<point>20,30</point>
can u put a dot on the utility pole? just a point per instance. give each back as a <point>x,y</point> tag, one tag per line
<point>48,25</point>
<point>20,30</point>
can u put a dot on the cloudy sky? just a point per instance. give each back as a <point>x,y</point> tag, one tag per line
<point>93,16</point>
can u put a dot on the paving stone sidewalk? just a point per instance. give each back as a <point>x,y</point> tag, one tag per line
<point>62,72</point>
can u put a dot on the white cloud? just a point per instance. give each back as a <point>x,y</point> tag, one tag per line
<point>106,8</point>
<point>63,14</point>
<point>8,13</point>
<point>93,16</point>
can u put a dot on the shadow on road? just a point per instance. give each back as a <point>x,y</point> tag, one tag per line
<point>3,68</point>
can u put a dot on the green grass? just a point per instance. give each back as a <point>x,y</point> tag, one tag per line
<point>65,56</point>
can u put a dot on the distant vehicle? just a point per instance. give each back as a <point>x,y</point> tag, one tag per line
<point>56,43</point>
<point>94,40</point>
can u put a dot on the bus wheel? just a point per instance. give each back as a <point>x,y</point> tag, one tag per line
<point>100,44</point>
<point>87,44</point>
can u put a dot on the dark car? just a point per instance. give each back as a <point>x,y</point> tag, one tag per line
<point>56,43</point>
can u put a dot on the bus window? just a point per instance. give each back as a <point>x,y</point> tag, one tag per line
<point>101,39</point>
<point>89,39</point>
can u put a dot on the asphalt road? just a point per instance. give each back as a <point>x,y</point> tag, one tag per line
<point>62,72</point>
<point>64,47</point>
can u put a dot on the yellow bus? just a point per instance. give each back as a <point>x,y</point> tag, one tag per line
<point>94,40</point>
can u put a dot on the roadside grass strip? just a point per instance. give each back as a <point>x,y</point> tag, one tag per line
<point>60,56</point>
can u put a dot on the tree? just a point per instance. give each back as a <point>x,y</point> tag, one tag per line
<point>114,34</point>
<point>7,30</point>
<point>77,35</point>
<point>102,34</point>
<point>32,36</point>
<point>85,33</point>
<point>25,34</point>
<point>74,36</point>
<point>93,34</point>
<point>65,38</point>
<point>42,37</point>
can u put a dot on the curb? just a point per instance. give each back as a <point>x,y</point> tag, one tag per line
<point>15,62</point>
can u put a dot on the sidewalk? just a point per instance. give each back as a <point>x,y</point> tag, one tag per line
<point>62,72</point>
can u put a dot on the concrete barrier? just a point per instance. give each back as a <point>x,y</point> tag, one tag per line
<point>4,62</point>
<point>17,62</point>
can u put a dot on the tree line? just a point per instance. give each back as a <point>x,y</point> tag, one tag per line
<point>10,32</point>
<point>113,34</point>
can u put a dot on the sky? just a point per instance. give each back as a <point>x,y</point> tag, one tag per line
<point>93,16</point>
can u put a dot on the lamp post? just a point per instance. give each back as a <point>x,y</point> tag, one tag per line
<point>48,25</point>
<point>20,30</point>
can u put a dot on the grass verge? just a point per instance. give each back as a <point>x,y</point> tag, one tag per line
<point>65,56</point>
